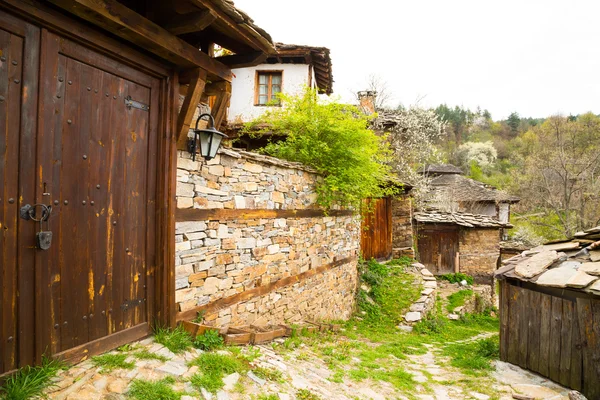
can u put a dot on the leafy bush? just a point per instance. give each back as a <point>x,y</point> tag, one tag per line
<point>209,340</point>
<point>332,138</point>
<point>458,277</point>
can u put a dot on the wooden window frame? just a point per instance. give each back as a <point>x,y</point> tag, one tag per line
<point>270,73</point>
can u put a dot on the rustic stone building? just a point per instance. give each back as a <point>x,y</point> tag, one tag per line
<point>459,242</point>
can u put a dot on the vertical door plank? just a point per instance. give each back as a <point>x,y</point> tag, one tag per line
<point>533,347</point>
<point>576,352</point>
<point>524,319</point>
<point>504,318</point>
<point>51,110</point>
<point>10,109</point>
<point>545,333</point>
<point>565,346</point>
<point>97,195</point>
<point>513,324</point>
<point>555,339</point>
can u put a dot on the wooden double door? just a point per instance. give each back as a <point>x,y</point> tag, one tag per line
<point>78,134</point>
<point>438,246</point>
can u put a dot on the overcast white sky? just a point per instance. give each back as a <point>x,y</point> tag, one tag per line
<point>531,56</point>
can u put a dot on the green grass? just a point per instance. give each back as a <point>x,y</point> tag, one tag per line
<point>305,394</point>
<point>30,382</point>
<point>144,354</point>
<point>176,340</point>
<point>158,390</point>
<point>458,299</point>
<point>269,374</point>
<point>392,291</point>
<point>213,367</point>
<point>265,397</point>
<point>473,358</point>
<point>109,362</point>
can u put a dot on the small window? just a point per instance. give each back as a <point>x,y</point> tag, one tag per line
<point>268,84</point>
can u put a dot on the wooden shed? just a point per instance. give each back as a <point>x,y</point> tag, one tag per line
<point>449,242</point>
<point>550,312</point>
<point>95,95</point>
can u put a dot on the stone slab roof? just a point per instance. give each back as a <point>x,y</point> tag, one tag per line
<point>435,169</point>
<point>460,188</point>
<point>571,264</point>
<point>457,218</point>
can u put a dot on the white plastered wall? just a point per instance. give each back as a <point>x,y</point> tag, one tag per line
<point>242,108</point>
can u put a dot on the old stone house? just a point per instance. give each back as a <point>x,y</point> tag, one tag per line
<point>452,191</point>
<point>449,242</point>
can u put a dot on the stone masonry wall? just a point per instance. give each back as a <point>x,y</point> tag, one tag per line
<point>402,229</point>
<point>479,251</point>
<point>216,259</point>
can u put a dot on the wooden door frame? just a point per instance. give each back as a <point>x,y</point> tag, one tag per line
<point>163,303</point>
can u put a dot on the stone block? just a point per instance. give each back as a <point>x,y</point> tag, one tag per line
<point>239,201</point>
<point>211,285</point>
<point>209,191</point>
<point>246,243</point>
<point>187,164</point>
<point>189,226</point>
<point>183,246</point>
<point>278,197</point>
<point>184,189</point>
<point>217,170</point>
<point>254,168</point>
<point>185,202</point>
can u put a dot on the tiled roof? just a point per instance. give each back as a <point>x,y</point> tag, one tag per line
<point>457,218</point>
<point>460,188</point>
<point>572,264</point>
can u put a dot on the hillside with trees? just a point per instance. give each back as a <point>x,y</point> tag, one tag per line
<point>553,164</point>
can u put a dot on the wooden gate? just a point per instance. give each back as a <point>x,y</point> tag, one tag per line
<point>437,247</point>
<point>92,159</point>
<point>376,233</point>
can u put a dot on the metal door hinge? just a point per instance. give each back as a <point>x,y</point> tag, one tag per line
<point>129,102</point>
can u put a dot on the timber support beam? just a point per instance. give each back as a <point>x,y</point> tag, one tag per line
<point>197,82</point>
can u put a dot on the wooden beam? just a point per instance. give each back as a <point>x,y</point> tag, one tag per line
<point>219,214</point>
<point>219,110</point>
<point>129,25</point>
<point>193,22</point>
<point>262,290</point>
<point>190,103</point>
<point>246,32</point>
<point>244,60</point>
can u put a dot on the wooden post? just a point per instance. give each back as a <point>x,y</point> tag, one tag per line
<point>457,263</point>
<point>190,103</point>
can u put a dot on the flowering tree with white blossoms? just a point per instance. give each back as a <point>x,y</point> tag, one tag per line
<point>412,135</point>
<point>483,153</point>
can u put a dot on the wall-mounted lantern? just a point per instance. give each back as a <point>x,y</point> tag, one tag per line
<point>210,139</point>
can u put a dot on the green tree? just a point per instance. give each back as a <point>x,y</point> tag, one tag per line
<point>513,122</point>
<point>333,138</point>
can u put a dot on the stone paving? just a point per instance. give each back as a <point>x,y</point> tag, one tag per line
<point>301,368</point>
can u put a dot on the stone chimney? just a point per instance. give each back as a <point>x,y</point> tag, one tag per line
<point>366,101</point>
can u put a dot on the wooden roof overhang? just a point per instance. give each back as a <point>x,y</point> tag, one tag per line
<point>180,31</point>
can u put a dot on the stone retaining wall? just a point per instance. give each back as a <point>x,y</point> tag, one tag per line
<point>224,252</point>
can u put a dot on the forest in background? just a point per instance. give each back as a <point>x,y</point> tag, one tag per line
<point>552,164</point>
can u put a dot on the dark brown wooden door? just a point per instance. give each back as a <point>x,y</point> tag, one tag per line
<point>437,248</point>
<point>19,63</point>
<point>96,167</point>
<point>376,233</point>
